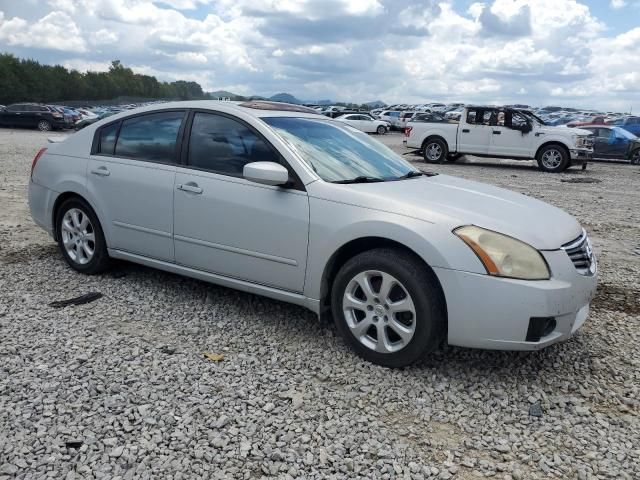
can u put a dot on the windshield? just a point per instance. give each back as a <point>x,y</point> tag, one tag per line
<point>337,151</point>
<point>622,133</point>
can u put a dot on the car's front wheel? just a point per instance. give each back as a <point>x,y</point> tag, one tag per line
<point>388,307</point>
<point>80,237</point>
<point>44,126</point>
<point>635,157</point>
<point>553,158</point>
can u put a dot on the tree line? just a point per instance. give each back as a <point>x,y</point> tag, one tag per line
<point>23,80</point>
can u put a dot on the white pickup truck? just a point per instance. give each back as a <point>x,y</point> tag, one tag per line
<point>490,131</point>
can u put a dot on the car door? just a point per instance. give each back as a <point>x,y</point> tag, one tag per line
<point>230,226</point>
<point>365,124</point>
<point>17,115</point>
<point>130,178</point>
<point>507,137</point>
<point>474,135</point>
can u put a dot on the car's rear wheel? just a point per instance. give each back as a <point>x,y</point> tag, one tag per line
<point>80,237</point>
<point>435,150</point>
<point>44,126</point>
<point>388,307</point>
<point>381,130</point>
<point>635,157</point>
<point>553,158</point>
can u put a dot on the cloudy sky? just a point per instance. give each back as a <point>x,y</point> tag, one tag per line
<point>567,52</point>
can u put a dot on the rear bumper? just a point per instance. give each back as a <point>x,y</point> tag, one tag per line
<point>495,313</point>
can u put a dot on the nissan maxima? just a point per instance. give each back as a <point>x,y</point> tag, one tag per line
<point>276,200</point>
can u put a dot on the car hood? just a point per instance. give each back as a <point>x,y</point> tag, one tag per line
<point>453,202</point>
<point>550,129</point>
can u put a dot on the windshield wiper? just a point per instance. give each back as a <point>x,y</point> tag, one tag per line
<point>361,179</point>
<point>410,174</point>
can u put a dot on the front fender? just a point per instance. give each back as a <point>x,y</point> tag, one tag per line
<point>335,224</point>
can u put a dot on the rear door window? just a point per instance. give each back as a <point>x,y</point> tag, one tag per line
<point>151,137</point>
<point>222,145</point>
<point>108,137</point>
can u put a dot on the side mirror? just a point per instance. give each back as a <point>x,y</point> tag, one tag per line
<point>526,128</point>
<point>267,173</point>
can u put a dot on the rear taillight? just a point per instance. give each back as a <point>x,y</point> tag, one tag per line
<point>36,158</point>
<point>407,131</point>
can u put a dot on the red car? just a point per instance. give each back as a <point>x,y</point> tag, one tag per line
<point>594,121</point>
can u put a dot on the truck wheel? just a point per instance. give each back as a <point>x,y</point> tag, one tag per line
<point>635,157</point>
<point>435,150</point>
<point>553,158</point>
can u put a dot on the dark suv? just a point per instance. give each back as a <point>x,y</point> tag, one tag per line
<point>32,115</point>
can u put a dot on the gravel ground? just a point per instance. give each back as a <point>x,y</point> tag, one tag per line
<point>119,388</point>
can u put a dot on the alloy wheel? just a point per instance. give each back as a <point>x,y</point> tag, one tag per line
<point>552,158</point>
<point>379,311</point>
<point>44,126</point>
<point>78,236</point>
<point>434,152</point>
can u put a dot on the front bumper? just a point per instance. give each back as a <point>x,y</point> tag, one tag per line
<point>494,313</point>
<point>581,154</point>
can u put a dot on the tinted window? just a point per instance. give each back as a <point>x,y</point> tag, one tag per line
<point>108,138</point>
<point>223,145</point>
<point>150,137</point>
<point>471,116</point>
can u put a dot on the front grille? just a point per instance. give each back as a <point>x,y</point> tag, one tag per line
<point>589,141</point>
<point>581,254</point>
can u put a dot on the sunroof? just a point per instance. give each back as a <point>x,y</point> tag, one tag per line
<point>283,107</point>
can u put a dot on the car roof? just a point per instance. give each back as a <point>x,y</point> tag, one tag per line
<point>256,109</point>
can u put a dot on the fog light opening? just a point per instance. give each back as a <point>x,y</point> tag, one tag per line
<point>540,327</point>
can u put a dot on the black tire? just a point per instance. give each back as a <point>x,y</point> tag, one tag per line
<point>44,126</point>
<point>433,146</point>
<point>454,157</point>
<point>100,260</point>
<point>554,151</point>
<point>635,157</point>
<point>421,285</point>
<point>381,130</point>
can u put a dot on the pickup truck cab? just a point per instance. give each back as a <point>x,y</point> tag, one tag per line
<point>500,132</point>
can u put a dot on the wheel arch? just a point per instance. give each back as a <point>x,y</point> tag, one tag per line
<point>433,136</point>
<point>359,245</point>
<point>60,199</point>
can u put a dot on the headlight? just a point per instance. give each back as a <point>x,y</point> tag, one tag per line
<point>504,256</point>
<point>580,141</point>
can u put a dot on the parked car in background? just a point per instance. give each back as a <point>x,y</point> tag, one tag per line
<point>599,120</point>
<point>631,124</point>
<point>272,200</point>
<point>404,118</point>
<point>391,116</point>
<point>365,123</point>
<point>33,115</point>
<point>91,120</point>
<point>490,131</point>
<point>614,143</point>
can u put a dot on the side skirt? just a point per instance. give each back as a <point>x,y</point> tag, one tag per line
<point>282,295</point>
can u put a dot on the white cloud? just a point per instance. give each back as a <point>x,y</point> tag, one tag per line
<point>616,4</point>
<point>529,51</point>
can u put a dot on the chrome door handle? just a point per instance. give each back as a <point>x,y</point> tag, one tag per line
<point>190,187</point>
<point>101,171</point>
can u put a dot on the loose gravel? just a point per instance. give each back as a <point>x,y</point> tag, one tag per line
<point>119,388</point>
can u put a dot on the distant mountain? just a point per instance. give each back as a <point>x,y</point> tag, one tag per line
<point>376,104</point>
<point>285,98</point>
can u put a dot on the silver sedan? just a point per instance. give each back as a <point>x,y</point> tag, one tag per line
<point>279,201</point>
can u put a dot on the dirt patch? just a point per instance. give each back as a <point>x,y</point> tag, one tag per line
<point>27,254</point>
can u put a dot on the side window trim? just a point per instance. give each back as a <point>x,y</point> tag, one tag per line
<point>95,146</point>
<point>184,154</point>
